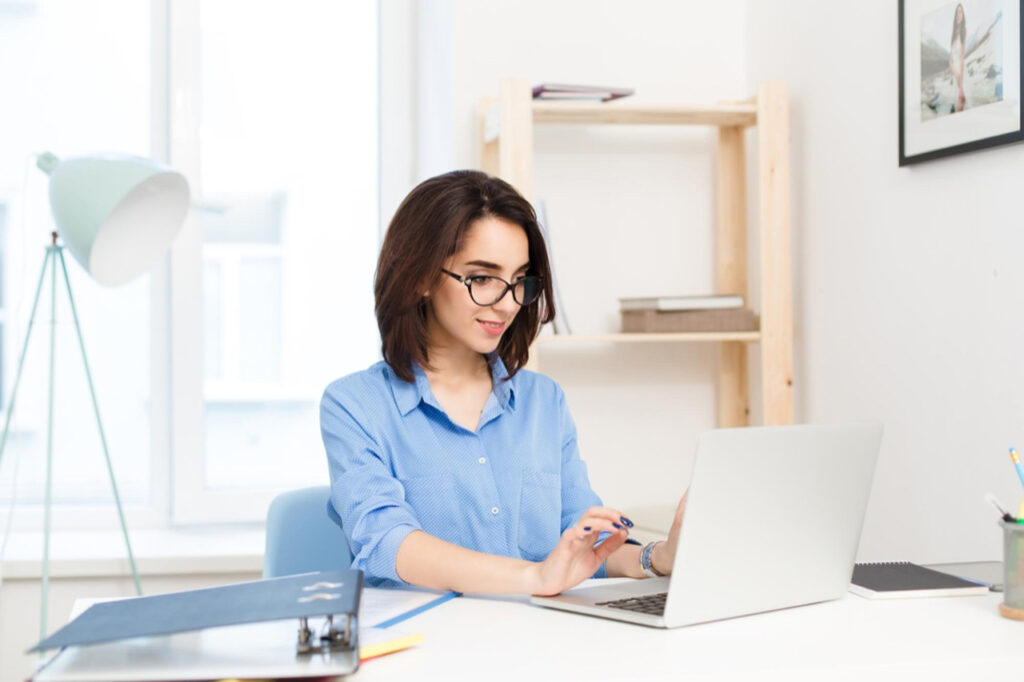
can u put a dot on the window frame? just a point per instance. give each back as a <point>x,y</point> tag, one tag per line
<point>190,502</point>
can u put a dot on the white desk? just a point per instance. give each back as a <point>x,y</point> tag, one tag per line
<point>899,640</point>
<point>904,640</point>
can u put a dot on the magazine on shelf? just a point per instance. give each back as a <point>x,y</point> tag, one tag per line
<point>562,91</point>
<point>681,302</point>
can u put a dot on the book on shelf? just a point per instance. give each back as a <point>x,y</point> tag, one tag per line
<point>713,302</point>
<point>564,91</point>
<point>904,579</point>
<point>714,320</point>
<point>560,325</point>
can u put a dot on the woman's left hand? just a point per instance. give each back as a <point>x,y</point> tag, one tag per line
<point>663,556</point>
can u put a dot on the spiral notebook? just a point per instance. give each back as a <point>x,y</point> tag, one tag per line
<point>903,579</point>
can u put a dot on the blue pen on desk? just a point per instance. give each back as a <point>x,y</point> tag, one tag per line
<point>418,610</point>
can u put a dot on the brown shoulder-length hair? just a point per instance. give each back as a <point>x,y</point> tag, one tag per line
<point>428,228</point>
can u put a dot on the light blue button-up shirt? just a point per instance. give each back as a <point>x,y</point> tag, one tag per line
<point>398,463</point>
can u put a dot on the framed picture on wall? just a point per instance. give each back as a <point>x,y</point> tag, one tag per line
<point>960,76</point>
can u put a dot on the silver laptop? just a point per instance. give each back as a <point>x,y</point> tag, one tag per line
<point>772,521</point>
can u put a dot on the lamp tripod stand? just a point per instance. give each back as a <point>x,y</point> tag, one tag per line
<point>54,257</point>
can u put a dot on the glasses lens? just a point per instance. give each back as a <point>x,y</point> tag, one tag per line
<point>486,290</point>
<point>526,290</point>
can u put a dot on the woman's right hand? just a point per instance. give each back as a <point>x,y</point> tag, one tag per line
<point>575,558</point>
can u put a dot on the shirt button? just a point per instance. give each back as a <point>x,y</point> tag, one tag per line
<point>494,510</point>
<point>482,460</point>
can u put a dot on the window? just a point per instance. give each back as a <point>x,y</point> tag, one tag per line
<point>208,371</point>
<point>281,146</point>
<point>80,76</point>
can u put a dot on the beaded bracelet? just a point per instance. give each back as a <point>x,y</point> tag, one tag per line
<point>645,560</point>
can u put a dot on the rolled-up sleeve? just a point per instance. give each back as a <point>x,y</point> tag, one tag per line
<point>366,496</point>
<point>577,495</point>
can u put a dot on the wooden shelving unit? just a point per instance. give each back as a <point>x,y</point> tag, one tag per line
<point>690,337</point>
<point>506,150</point>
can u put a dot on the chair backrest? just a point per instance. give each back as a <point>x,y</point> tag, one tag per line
<point>301,538</point>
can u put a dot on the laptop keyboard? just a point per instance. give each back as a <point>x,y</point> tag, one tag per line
<point>653,604</point>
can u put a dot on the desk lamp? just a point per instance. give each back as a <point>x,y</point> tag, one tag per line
<point>117,215</point>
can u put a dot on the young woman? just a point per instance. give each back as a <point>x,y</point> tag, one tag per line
<point>451,466</point>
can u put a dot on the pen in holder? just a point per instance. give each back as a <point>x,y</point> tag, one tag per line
<point>1013,570</point>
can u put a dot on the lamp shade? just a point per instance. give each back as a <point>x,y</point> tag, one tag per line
<point>116,214</point>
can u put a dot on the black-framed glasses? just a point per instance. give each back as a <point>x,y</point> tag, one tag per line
<point>486,290</point>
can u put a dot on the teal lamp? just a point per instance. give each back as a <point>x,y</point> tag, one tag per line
<point>117,215</point>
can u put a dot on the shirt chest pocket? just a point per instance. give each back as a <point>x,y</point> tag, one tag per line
<point>540,513</point>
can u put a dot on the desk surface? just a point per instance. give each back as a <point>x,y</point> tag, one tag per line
<point>951,638</point>
<point>473,638</point>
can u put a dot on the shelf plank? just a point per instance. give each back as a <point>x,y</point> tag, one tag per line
<point>731,271</point>
<point>732,114</point>
<point>677,337</point>
<point>776,264</point>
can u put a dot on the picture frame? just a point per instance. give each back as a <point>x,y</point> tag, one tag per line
<point>961,75</point>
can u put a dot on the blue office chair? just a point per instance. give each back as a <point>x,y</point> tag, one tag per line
<point>301,538</point>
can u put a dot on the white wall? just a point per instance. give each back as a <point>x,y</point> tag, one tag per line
<point>909,293</point>
<point>630,209</point>
<point>905,294</point>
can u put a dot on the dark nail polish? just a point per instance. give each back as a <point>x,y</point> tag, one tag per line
<point>586,528</point>
<point>617,526</point>
<point>626,522</point>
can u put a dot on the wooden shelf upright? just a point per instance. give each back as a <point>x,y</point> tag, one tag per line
<point>506,150</point>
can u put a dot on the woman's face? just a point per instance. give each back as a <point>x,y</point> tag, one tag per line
<point>492,246</point>
<point>959,14</point>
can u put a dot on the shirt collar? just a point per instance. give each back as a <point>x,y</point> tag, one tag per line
<point>504,391</point>
<point>408,395</point>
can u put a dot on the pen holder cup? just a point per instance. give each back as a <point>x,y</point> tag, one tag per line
<point>1013,570</point>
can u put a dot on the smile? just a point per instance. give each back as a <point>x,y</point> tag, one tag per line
<point>492,328</point>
